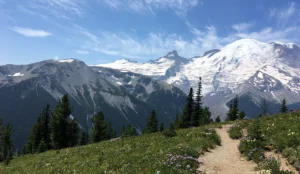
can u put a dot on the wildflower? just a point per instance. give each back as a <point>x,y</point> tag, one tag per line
<point>188,166</point>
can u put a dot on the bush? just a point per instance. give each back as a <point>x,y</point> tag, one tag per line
<point>272,165</point>
<point>235,132</point>
<point>169,133</point>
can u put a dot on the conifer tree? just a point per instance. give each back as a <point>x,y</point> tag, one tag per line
<point>177,121</point>
<point>235,109</point>
<point>152,123</point>
<point>283,108</point>
<point>84,138</point>
<point>198,110</point>
<point>207,116</point>
<point>99,128</point>
<point>242,115</point>
<point>218,120</point>
<point>64,132</point>
<point>130,131</point>
<point>6,144</point>
<point>187,113</point>
<point>229,113</point>
<point>109,132</point>
<point>182,122</point>
<point>161,127</point>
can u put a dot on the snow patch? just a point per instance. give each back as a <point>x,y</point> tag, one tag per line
<point>65,60</point>
<point>119,83</point>
<point>260,75</point>
<point>17,75</point>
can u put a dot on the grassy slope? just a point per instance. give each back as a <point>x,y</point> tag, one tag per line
<point>144,154</point>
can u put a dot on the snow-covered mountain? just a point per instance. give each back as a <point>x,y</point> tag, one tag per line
<point>124,97</point>
<point>244,67</point>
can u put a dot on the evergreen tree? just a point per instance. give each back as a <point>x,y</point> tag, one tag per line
<point>152,123</point>
<point>177,121</point>
<point>229,113</point>
<point>109,131</point>
<point>130,131</point>
<point>235,110</point>
<point>207,116</point>
<point>161,127</point>
<point>45,126</point>
<point>170,132</point>
<point>198,110</point>
<point>218,120</point>
<point>189,108</point>
<point>283,108</point>
<point>6,144</point>
<point>42,147</point>
<point>64,132</point>
<point>84,138</point>
<point>182,121</point>
<point>99,132</point>
<point>242,115</point>
<point>73,133</point>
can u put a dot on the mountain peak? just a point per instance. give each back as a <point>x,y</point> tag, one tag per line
<point>172,54</point>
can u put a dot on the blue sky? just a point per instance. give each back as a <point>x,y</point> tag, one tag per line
<point>101,31</point>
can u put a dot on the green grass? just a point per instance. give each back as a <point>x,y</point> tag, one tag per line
<point>279,132</point>
<point>143,154</point>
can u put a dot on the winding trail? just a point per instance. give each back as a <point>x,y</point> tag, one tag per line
<point>226,159</point>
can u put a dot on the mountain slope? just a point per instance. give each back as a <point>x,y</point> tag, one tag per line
<point>242,67</point>
<point>25,89</point>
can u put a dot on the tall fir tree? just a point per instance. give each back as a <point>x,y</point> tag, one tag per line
<point>6,144</point>
<point>152,123</point>
<point>235,110</point>
<point>207,116</point>
<point>264,107</point>
<point>196,119</point>
<point>188,110</point>
<point>218,119</point>
<point>242,115</point>
<point>84,138</point>
<point>177,121</point>
<point>161,127</point>
<point>99,132</point>
<point>40,133</point>
<point>64,131</point>
<point>283,108</point>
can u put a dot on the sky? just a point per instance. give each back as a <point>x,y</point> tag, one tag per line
<point>102,31</point>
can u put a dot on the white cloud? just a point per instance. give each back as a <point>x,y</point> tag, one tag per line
<point>154,45</point>
<point>145,6</point>
<point>82,52</point>
<point>289,34</point>
<point>242,26</point>
<point>285,14</point>
<point>31,32</point>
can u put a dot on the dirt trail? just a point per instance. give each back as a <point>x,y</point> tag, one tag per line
<point>226,159</point>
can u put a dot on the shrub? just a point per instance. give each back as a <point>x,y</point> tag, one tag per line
<point>272,165</point>
<point>235,132</point>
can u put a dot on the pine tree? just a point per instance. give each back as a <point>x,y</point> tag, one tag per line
<point>161,127</point>
<point>131,131</point>
<point>182,121</point>
<point>187,113</point>
<point>64,131</point>
<point>229,113</point>
<point>198,110</point>
<point>177,121</point>
<point>235,109</point>
<point>233,112</point>
<point>6,144</point>
<point>283,108</point>
<point>218,120</point>
<point>242,115</point>
<point>84,138</point>
<point>207,116</point>
<point>152,123</point>
<point>73,133</point>
<point>99,128</point>
<point>42,147</point>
